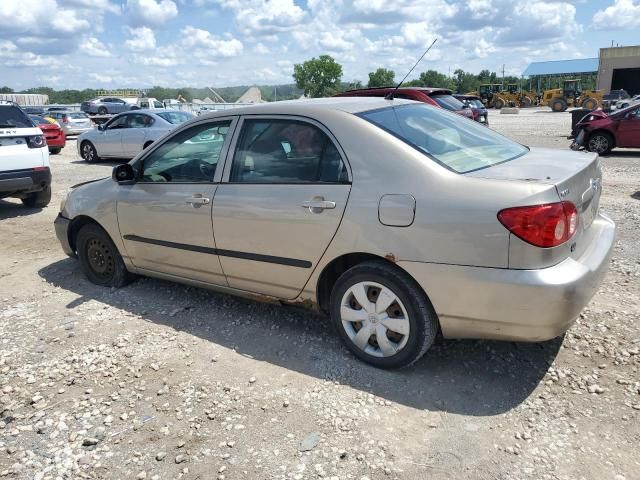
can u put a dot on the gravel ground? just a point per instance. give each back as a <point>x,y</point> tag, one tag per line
<point>164,381</point>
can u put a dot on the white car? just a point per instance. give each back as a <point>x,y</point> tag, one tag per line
<point>127,134</point>
<point>24,158</point>
<point>627,102</point>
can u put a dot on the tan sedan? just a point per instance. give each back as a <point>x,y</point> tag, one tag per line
<point>396,218</point>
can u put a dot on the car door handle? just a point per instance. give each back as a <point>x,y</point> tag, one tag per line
<point>317,205</point>
<point>198,201</point>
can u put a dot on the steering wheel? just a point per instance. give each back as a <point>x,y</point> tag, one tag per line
<point>206,169</point>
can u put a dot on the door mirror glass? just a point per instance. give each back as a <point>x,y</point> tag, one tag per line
<point>101,127</point>
<point>123,173</point>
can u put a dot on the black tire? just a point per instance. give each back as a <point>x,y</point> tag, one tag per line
<point>38,199</point>
<point>88,152</point>
<point>99,258</point>
<point>423,321</point>
<point>558,105</point>
<point>102,111</point>
<point>525,102</point>
<point>590,103</point>
<point>498,103</point>
<point>55,151</point>
<point>600,143</point>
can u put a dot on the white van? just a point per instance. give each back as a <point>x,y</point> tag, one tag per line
<point>24,158</point>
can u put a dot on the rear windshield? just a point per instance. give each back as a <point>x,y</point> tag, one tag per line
<point>11,116</point>
<point>38,120</point>
<point>175,117</point>
<point>447,101</point>
<point>460,145</point>
<point>76,115</point>
<point>476,103</point>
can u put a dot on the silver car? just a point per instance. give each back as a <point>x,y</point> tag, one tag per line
<point>72,123</point>
<point>127,134</point>
<point>396,218</point>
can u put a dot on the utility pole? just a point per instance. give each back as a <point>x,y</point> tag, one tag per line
<point>503,74</point>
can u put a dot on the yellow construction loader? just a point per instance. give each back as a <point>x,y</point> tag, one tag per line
<point>571,95</point>
<point>490,93</point>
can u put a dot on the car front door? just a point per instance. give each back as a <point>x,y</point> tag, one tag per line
<point>134,136</point>
<point>279,205</point>
<point>165,216</point>
<point>110,143</point>
<point>628,134</point>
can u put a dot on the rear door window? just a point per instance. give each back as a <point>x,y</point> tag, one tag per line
<point>286,151</point>
<point>448,101</point>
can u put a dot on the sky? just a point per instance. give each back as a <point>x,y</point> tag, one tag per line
<point>176,43</point>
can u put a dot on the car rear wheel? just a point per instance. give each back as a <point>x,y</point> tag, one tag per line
<point>100,259</point>
<point>38,199</point>
<point>102,111</point>
<point>54,151</point>
<point>88,152</point>
<point>600,143</point>
<point>590,103</point>
<point>558,105</point>
<point>382,315</point>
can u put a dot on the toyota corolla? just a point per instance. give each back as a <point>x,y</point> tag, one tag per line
<point>396,218</point>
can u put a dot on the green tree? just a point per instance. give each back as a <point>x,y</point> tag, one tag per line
<point>382,78</point>
<point>6,90</point>
<point>464,81</point>
<point>432,78</point>
<point>318,77</point>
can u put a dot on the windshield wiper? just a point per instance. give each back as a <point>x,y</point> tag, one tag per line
<point>7,125</point>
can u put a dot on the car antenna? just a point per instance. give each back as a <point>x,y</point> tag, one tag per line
<point>393,92</point>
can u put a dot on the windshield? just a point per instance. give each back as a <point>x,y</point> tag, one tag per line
<point>11,116</point>
<point>476,103</point>
<point>175,117</point>
<point>38,120</point>
<point>460,145</point>
<point>448,101</point>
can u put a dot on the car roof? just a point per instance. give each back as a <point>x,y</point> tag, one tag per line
<point>311,106</point>
<point>466,97</point>
<point>416,89</point>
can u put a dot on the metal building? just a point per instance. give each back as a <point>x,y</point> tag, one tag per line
<point>545,75</point>
<point>619,68</point>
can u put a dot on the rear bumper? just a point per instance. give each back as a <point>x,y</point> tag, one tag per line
<point>61,225</point>
<point>58,142</point>
<point>522,305</point>
<point>24,181</point>
<point>76,130</point>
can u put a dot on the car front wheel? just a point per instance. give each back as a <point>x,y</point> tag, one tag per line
<point>600,143</point>
<point>100,259</point>
<point>88,152</point>
<point>382,315</point>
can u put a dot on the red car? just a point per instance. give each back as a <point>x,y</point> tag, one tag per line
<point>439,97</point>
<point>599,132</point>
<point>54,135</point>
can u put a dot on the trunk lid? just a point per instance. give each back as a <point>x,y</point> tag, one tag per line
<point>575,175</point>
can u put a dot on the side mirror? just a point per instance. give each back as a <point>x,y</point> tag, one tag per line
<point>124,174</point>
<point>102,126</point>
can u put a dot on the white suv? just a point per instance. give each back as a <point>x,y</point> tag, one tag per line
<point>24,158</point>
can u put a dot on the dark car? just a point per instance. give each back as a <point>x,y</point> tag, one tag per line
<point>599,132</point>
<point>480,112</point>
<point>439,97</point>
<point>106,106</point>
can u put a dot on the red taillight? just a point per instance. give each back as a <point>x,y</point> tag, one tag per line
<point>544,226</point>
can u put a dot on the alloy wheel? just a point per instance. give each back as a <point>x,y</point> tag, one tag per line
<point>374,319</point>
<point>87,152</point>
<point>598,144</point>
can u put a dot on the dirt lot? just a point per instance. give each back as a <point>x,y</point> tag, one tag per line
<point>164,381</point>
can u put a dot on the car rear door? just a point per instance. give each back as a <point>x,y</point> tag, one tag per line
<point>628,134</point>
<point>165,217</point>
<point>284,191</point>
